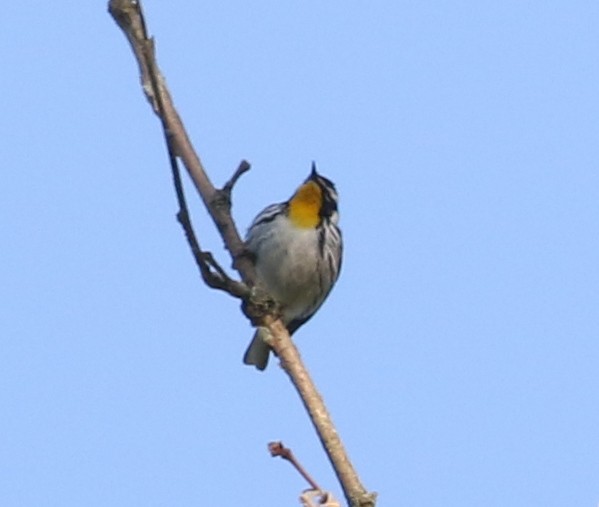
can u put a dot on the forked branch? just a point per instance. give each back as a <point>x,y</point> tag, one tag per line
<point>257,305</point>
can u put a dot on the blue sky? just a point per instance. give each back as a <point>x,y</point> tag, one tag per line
<point>459,352</point>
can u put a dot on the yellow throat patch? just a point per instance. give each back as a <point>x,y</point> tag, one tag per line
<point>305,205</point>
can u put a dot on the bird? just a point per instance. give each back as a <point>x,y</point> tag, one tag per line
<point>297,250</point>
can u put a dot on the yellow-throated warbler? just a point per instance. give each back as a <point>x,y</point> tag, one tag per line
<point>297,248</point>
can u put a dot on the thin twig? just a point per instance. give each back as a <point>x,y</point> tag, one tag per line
<point>278,449</point>
<point>325,498</point>
<point>244,166</point>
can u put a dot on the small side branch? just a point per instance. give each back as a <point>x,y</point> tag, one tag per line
<point>244,166</point>
<point>278,449</point>
<point>313,497</point>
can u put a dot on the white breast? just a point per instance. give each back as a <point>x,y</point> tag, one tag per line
<point>287,263</point>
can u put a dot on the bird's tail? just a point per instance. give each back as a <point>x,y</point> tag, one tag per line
<point>258,351</point>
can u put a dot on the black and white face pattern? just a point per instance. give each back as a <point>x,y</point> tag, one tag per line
<point>328,210</point>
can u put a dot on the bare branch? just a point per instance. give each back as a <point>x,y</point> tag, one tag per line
<point>244,167</point>
<point>312,497</point>
<point>257,305</point>
<point>129,17</point>
<point>291,362</point>
<point>278,449</point>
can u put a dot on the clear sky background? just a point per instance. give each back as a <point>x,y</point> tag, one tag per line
<point>459,352</point>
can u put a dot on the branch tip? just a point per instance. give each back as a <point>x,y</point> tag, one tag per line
<point>244,167</point>
<point>277,449</point>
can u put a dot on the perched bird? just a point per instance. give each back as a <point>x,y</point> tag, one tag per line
<point>297,248</point>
